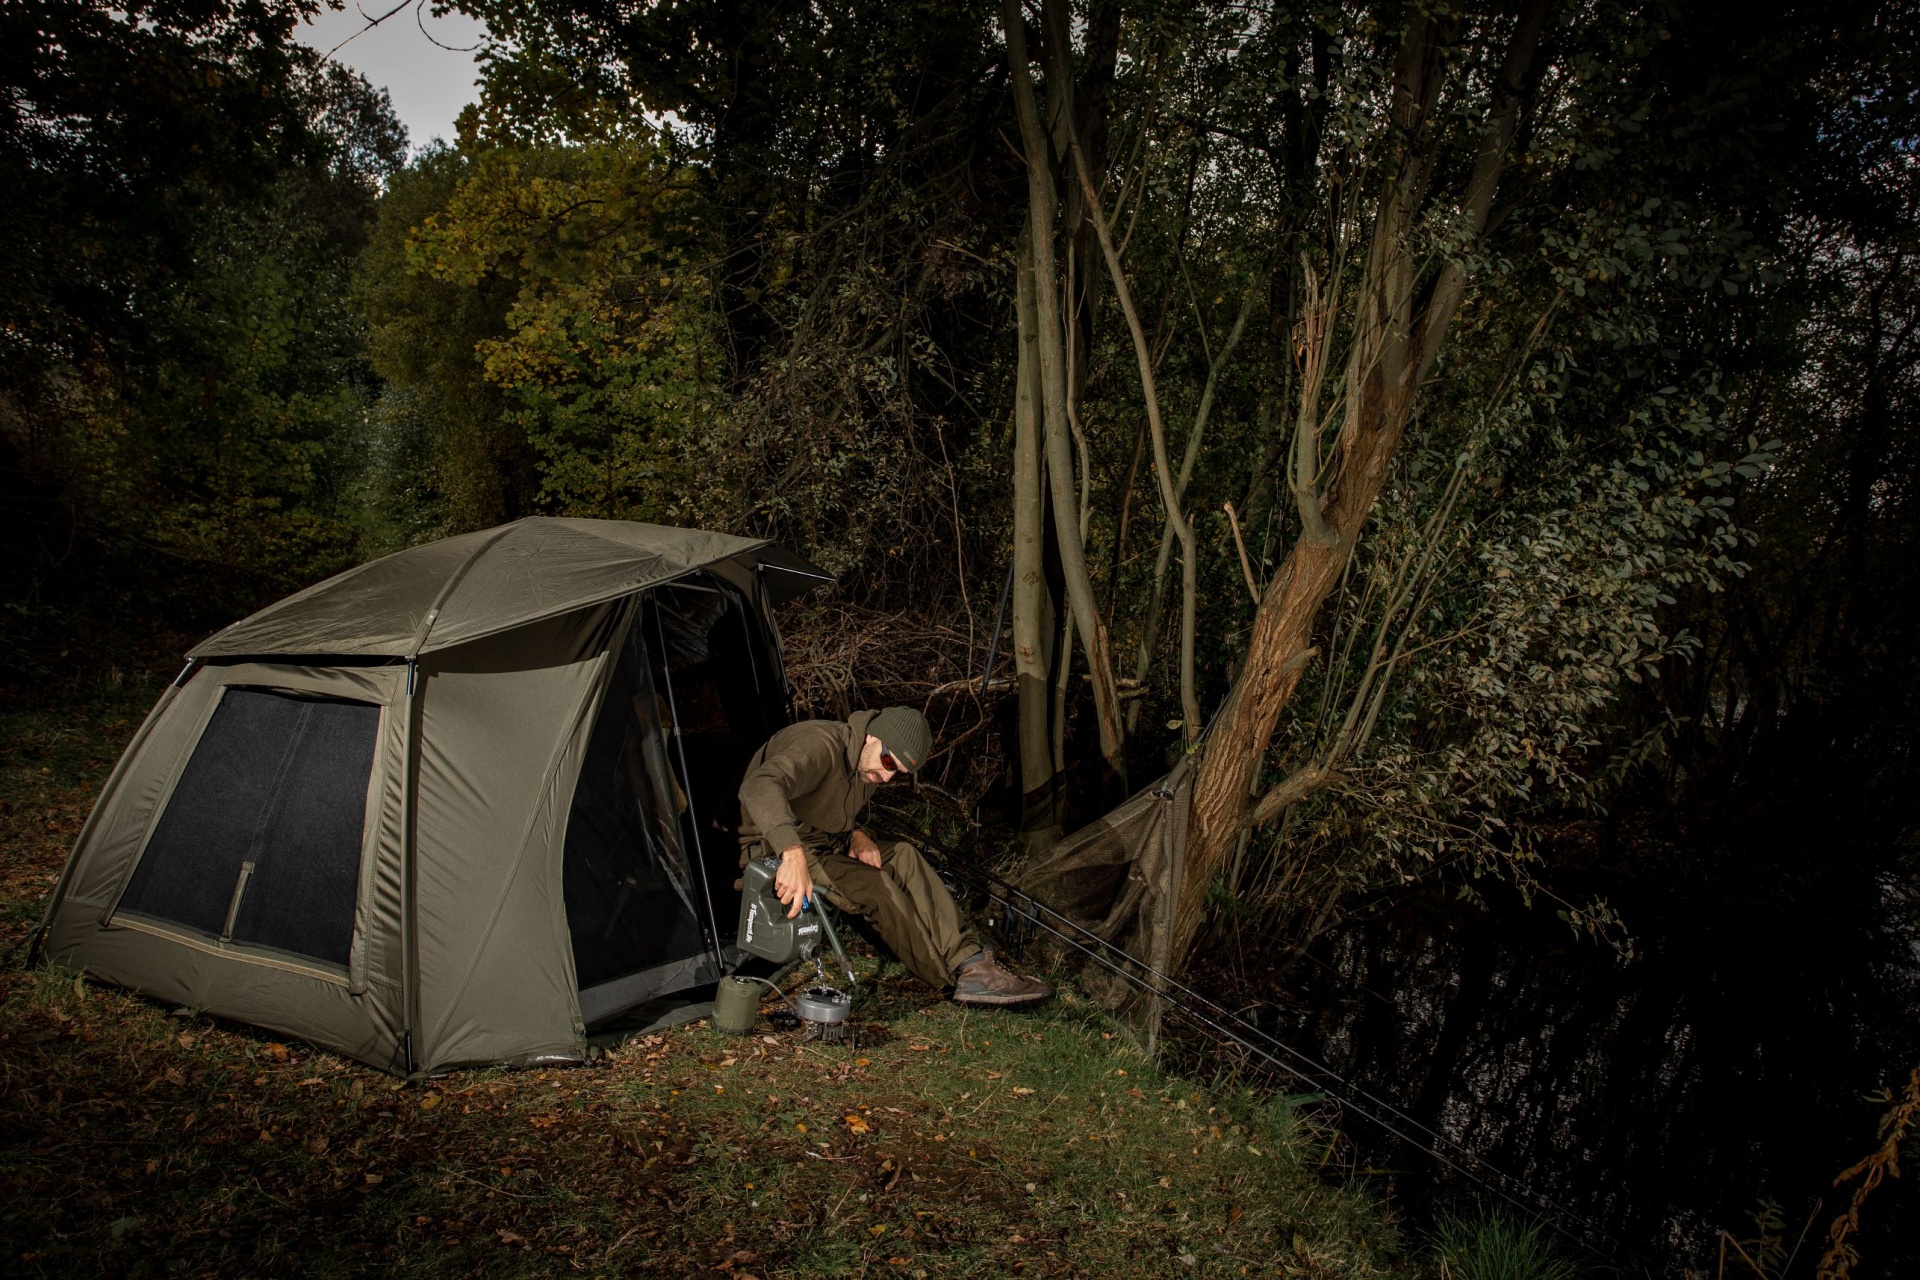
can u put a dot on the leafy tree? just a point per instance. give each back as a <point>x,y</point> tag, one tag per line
<point>1470,312</point>
<point>183,378</point>
<point>448,458</point>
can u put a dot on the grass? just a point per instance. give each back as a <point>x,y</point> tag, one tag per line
<point>1496,1248</point>
<point>141,1140</point>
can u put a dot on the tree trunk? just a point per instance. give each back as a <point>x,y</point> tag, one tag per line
<point>1033,613</point>
<point>1392,348</point>
<point>1043,206</point>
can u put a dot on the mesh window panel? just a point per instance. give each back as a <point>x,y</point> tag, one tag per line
<point>714,661</point>
<point>630,901</point>
<point>261,840</point>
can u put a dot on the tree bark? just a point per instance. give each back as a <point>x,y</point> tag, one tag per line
<point>1392,349</point>
<point>1042,207</point>
<point>1033,614</point>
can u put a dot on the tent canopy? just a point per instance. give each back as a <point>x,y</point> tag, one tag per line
<point>459,589</point>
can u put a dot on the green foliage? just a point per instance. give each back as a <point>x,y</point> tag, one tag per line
<point>602,360</point>
<point>445,458</point>
<point>747,266</point>
<point>1495,1247</point>
<point>183,384</point>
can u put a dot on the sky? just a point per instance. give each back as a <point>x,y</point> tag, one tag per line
<point>429,85</point>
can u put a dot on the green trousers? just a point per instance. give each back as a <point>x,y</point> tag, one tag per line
<point>903,898</point>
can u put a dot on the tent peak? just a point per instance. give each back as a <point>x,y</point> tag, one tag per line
<point>475,584</point>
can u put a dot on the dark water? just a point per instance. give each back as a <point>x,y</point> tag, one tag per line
<point>1663,1098</point>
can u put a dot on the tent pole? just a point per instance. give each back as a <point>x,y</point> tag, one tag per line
<point>409,932</point>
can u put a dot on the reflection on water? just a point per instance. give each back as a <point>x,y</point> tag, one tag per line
<point>1663,1098</point>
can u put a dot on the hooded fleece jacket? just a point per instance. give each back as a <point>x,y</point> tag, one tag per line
<point>804,788</point>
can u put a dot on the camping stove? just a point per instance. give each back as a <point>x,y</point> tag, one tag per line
<point>823,1013</point>
<point>766,931</point>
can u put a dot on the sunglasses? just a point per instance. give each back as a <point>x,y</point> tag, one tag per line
<point>890,764</point>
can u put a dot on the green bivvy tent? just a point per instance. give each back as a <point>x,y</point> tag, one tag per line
<point>455,806</point>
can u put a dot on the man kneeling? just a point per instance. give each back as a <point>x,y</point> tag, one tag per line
<point>805,789</point>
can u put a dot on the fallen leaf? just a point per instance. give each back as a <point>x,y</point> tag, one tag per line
<point>275,1050</point>
<point>1120,1071</point>
<point>919,1048</point>
<point>120,1226</point>
<point>429,1102</point>
<point>1021,1090</point>
<point>316,1145</point>
<point>508,1237</point>
<point>1233,1215</point>
<point>857,1125</point>
<point>878,1230</point>
<point>311,1080</point>
<point>374,1179</point>
<point>185,1039</point>
<point>174,1078</point>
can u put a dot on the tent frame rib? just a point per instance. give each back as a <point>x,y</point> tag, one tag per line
<point>409,815</point>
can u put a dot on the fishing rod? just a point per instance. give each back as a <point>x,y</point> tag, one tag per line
<point>1225,1024</point>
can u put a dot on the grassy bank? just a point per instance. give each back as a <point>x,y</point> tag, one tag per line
<point>144,1140</point>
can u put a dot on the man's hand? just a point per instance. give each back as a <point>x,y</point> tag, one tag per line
<point>793,882</point>
<point>861,848</point>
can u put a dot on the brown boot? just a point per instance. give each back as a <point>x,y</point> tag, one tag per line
<point>980,980</point>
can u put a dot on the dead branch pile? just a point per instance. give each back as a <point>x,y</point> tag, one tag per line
<point>844,657</point>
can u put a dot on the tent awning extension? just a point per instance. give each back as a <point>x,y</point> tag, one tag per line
<point>462,588</point>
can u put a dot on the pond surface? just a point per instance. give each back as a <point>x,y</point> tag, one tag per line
<point>1729,1063</point>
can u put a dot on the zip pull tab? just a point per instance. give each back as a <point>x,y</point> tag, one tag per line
<point>233,904</point>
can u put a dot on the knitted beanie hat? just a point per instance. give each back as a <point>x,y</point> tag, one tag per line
<point>905,734</point>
